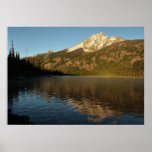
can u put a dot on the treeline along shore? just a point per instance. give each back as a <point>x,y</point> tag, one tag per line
<point>122,59</point>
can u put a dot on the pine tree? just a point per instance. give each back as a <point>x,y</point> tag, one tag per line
<point>17,56</point>
<point>12,54</point>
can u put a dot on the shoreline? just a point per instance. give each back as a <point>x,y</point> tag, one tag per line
<point>22,78</point>
<point>104,76</point>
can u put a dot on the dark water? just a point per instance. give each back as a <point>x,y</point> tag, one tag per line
<point>77,100</point>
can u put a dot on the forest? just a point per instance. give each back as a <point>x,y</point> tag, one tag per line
<point>23,67</point>
<point>122,59</point>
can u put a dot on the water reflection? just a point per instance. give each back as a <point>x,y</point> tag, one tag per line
<point>79,100</point>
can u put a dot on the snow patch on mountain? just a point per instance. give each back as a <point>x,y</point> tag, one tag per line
<point>96,42</point>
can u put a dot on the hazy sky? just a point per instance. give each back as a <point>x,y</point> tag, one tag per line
<point>40,39</point>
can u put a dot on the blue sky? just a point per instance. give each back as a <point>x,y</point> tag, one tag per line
<point>36,40</point>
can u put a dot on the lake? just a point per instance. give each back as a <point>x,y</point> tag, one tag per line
<point>76,100</point>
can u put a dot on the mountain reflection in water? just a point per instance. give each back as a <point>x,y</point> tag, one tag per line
<point>78,100</point>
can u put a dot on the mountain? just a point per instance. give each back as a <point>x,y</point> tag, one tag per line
<point>96,42</point>
<point>49,51</point>
<point>124,59</point>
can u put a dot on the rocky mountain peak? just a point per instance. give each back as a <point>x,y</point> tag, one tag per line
<point>96,42</point>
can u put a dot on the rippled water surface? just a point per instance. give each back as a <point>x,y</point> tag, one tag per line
<point>77,100</point>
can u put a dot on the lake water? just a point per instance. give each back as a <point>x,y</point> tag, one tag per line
<point>76,100</point>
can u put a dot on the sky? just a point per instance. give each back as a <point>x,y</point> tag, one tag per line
<point>29,41</point>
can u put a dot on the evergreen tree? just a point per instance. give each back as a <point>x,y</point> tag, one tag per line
<point>17,56</point>
<point>10,54</point>
<point>12,50</point>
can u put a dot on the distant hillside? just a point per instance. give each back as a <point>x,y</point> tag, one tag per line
<point>124,58</point>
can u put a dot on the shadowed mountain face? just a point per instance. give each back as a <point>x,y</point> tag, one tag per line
<point>125,58</point>
<point>82,99</point>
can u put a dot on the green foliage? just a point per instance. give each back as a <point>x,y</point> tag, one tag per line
<point>119,59</point>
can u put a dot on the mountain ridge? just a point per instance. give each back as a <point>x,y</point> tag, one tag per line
<point>96,42</point>
<point>124,59</point>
